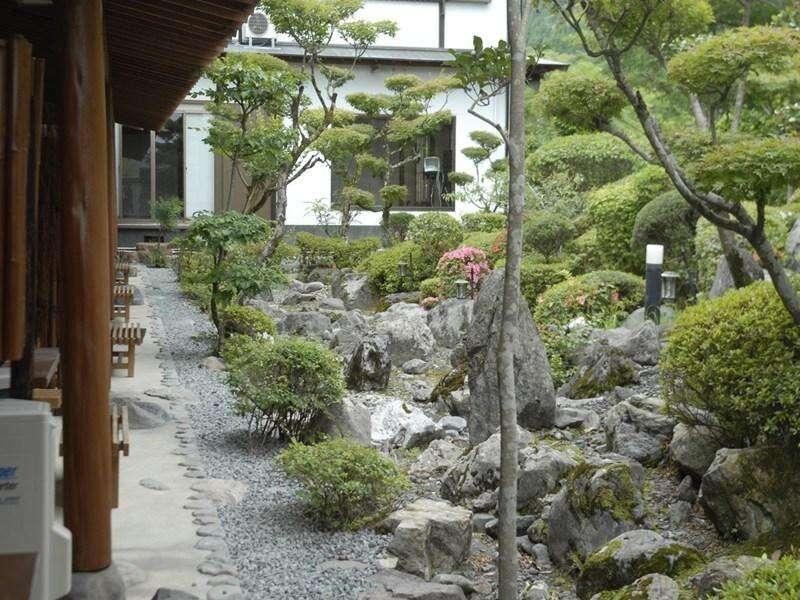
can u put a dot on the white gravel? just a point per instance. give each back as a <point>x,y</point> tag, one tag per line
<point>280,553</point>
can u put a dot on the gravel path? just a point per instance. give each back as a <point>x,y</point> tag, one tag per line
<point>280,553</point>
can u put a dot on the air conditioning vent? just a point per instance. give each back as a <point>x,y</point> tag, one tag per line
<point>258,24</point>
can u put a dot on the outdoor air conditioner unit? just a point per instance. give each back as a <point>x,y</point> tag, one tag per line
<point>257,31</point>
<point>35,551</point>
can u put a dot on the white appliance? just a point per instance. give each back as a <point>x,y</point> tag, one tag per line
<point>27,497</point>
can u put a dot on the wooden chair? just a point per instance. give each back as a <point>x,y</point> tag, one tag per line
<point>51,396</point>
<point>122,298</point>
<point>123,271</point>
<point>124,339</point>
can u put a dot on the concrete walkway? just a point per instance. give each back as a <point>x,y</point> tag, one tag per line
<point>155,531</point>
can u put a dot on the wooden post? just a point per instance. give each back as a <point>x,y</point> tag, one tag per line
<point>85,344</point>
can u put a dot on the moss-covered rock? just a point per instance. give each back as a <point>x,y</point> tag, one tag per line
<point>649,587</point>
<point>630,556</point>
<point>605,368</point>
<point>597,503</point>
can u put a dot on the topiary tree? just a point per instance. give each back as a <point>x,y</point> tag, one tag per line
<point>483,222</point>
<point>399,224</point>
<point>483,189</point>
<point>736,357</point>
<point>384,274</point>
<point>233,273</point>
<point>580,102</point>
<point>405,121</point>
<point>283,385</point>
<point>597,157</point>
<point>612,30</point>
<point>548,232</point>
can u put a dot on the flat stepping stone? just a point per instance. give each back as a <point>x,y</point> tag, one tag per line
<point>211,531</point>
<point>153,484</point>
<point>216,567</point>
<point>211,544</point>
<point>198,505</point>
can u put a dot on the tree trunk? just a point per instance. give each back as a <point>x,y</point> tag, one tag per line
<point>732,252</point>
<point>780,280</point>
<point>700,117</point>
<point>507,501</point>
<point>280,220</point>
<point>741,87</point>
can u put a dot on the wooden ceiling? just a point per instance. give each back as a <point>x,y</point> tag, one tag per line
<point>157,48</point>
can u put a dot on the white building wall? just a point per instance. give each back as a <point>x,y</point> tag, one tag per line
<point>316,183</point>
<point>467,18</point>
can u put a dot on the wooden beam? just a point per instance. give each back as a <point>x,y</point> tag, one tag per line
<point>85,347</point>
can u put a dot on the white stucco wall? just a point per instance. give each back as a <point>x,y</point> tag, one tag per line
<point>316,183</point>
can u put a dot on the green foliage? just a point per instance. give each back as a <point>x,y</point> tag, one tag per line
<point>751,169</point>
<point>319,251</point>
<point>583,253</point>
<point>393,195</point>
<point>431,288</point>
<point>599,296</point>
<point>548,232</point>
<point>483,222</point>
<point>247,320</point>
<point>776,581</point>
<point>612,210</point>
<point>167,211</point>
<point>383,272</point>
<point>598,158</point>
<point>580,102</point>
<point>435,233</point>
<point>711,68</point>
<point>345,485</point>
<point>399,223</point>
<point>537,277</point>
<point>560,348</point>
<point>493,244</point>
<point>560,192</point>
<point>155,256</point>
<point>458,179</point>
<point>282,386</point>
<point>737,357</point>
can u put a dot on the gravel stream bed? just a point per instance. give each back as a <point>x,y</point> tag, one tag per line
<point>280,553</point>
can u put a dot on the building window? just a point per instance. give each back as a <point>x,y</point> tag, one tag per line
<point>151,166</point>
<point>424,193</point>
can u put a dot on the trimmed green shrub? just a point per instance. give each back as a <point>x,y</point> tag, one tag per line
<point>247,320</point>
<point>399,223</point>
<point>776,581</point>
<point>613,209</point>
<point>536,277</point>
<point>282,386</point>
<point>580,101</point>
<point>345,485</point>
<point>600,297</point>
<point>320,251</point>
<point>598,158</point>
<point>383,272</point>
<point>436,233</point>
<point>493,243</point>
<point>430,288</point>
<point>483,221</point>
<point>547,232</point>
<point>583,254</point>
<point>738,357</point>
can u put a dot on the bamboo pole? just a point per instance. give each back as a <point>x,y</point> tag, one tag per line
<point>20,83</point>
<point>86,293</point>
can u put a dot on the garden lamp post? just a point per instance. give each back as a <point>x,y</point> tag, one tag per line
<point>402,271</point>
<point>652,294</point>
<point>462,285</point>
<point>669,280</point>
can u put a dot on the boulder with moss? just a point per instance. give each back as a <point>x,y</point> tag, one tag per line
<point>630,556</point>
<point>721,571</point>
<point>693,448</point>
<point>597,503</point>
<point>536,407</point>
<point>752,491</point>
<point>604,369</point>
<point>649,587</point>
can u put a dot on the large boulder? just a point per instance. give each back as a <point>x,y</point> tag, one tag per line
<point>637,317</point>
<point>541,468</point>
<point>597,503</point>
<point>649,587</point>
<point>142,414</point>
<point>348,331</point>
<point>436,460</point>
<point>632,555</point>
<point>309,324</point>
<point>353,289</point>
<point>398,420</point>
<point>641,344</point>
<point>725,569</point>
<point>603,369</point>
<point>430,537</point>
<point>395,585</point>
<point>407,328</point>
<point>449,321</point>
<point>639,429</point>
<point>751,491</point>
<point>693,448</point>
<point>723,280</point>
<point>348,419</point>
<point>536,401</point>
<point>370,365</point>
